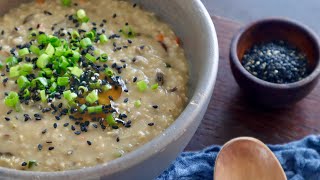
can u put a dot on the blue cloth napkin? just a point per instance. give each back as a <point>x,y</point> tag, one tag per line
<point>300,160</point>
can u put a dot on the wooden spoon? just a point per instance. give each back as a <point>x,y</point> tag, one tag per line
<point>247,158</point>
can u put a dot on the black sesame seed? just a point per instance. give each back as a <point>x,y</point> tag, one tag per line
<point>155,106</point>
<point>66,124</point>
<point>9,112</point>
<point>44,131</point>
<point>55,125</point>
<point>39,147</point>
<point>57,118</point>
<point>125,100</point>
<point>118,139</point>
<point>114,15</point>
<point>95,126</point>
<point>134,5</point>
<point>150,124</point>
<point>24,163</point>
<point>89,143</point>
<point>51,148</point>
<point>7,119</point>
<point>77,132</point>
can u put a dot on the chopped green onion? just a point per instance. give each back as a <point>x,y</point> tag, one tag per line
<point>103,38</point>
<point>12,99</point>
<point>11,61</point>
<point>63,81</point>
<point>82,17</point>
<point>23,52</point>
<point>69,96</point>
<point>43,61</point>
<point>35,49</point>
<point>43,95</point>
<point>75,56</point>
<point>85,89</point>
<point>137,103</point>
<point>142,85</point>
<point>110,120</point>
<point>92,97</point>
<point>84,43</point>
<point>1,65</point>
<point>90,57</point>
<point>75,35</point>
<point>50,50</point>
<point>66,2</point>
<point>104,57</point>
<point>95,109</point>
<point>14,71</point>
<point>76,71</point>
<point>53,87</point>
<point>32,163</point>
<point>23,82</point>
<point>47,71</point>
<point>54,41</point>
<point>26,69</point>
<point>42,39</point>
<point>106,87</point>
<point>83,108</point>
<point>59,51</point>
<point>91,34</point>
<point>63,62</point>
<point>26,93</point>
<point>155,86</point>
<point>108,72</point>
<point>43,81</point>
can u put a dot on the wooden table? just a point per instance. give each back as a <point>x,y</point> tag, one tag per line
<point>230,115</point>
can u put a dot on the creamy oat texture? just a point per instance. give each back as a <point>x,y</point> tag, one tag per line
<point>20,139</point>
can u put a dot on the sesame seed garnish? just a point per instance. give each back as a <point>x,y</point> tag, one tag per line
<point>55,125</point>
<point>77,132</point>
<point>57,118</point>
<point>125,100</point>
<point>7,119</point>
<point>51,148</point>
<point>155,106</point>
<point>114,15</point>
<point>118,139</point>
<point>95,126</point>
<point>44,131</point>
<point>134,5</point>
<point>15,28</point>
<point>24,163</point>
<point>150,124</point>
<point>89,143</point>
<point>66,124</point>
<point>39,147</point>
<point>9,112</point>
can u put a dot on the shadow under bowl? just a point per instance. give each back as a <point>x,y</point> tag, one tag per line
<point>266,93</point>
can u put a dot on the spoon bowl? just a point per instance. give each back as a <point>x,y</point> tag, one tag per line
<point>247,158</point>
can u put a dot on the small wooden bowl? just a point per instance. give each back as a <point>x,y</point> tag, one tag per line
<point>272,94</point>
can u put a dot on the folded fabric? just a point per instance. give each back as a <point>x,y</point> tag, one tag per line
<point>300,161</point>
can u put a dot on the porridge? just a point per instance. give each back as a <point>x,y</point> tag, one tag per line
<point>85,82</point>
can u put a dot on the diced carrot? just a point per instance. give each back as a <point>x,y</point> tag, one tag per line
<point>160,37</point>
<point>40,1</point>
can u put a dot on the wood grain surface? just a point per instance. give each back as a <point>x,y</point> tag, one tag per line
<point>230,115</point>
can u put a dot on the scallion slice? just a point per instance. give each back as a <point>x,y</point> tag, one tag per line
<point>137,103</point>
<point>92,97</point>
<point>11,61</point>
<point>142,85</point>
<point>12,99</point>
<point>90,57</point>
<point>43,95</point>
<point>62,81</point>
<point>69,96</point>
<point>43,61</point>
<point>108,72</point>
<point>76,71</point>
<point>50,50</point>
<point>23,82</point>
<point>35,49</point>
<point>104,57</point>
<point>103,38</point>
<point>95,109</point>
<point>14,71</point>
<point>85,42</point>
<point>23,52</point>
<point>110,120</point>
<point>155,86</point>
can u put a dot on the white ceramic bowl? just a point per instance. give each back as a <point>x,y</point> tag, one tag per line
<point>192,23</point>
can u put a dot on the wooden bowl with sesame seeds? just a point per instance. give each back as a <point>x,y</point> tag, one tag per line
<point>271,94</point>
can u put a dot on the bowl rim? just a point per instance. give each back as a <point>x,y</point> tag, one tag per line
<point>305,29</point>
<point>198,100</point>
